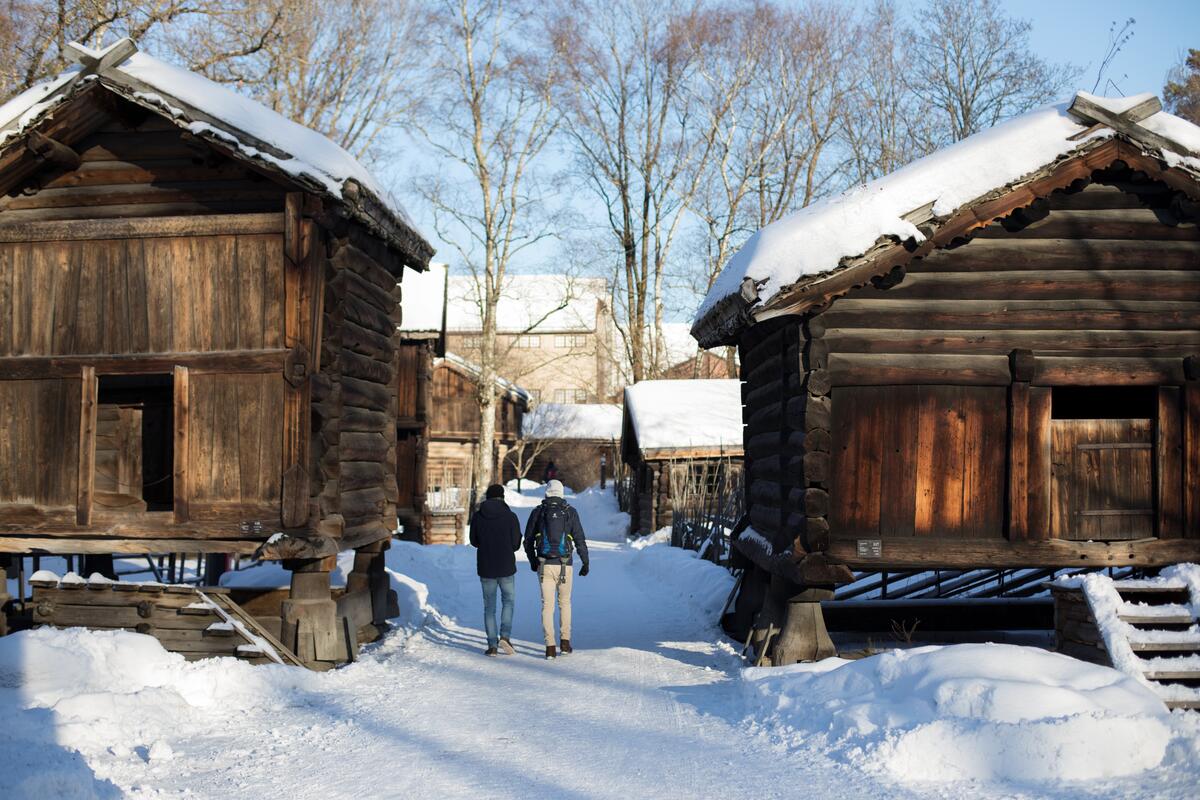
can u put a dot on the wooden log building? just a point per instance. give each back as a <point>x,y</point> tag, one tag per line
<point>453,443</point>
<point>422,332</point>
<point>198,352</point>
<point>674,432</point>
<point>990,358</point>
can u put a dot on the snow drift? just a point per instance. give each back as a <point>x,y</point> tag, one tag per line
<point>969,712</point>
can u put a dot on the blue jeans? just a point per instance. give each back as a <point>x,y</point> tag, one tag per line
<point>507,587</point>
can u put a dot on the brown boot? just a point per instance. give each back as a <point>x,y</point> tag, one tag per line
<point>550,653</point>
<point>565,646</point>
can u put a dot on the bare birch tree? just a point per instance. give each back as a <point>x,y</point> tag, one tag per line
<point>632,130</point>
<point>489,119</point>
<point>352,71</point>
<point>972,64</point>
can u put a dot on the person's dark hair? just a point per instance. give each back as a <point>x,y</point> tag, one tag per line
<point>495,492</point>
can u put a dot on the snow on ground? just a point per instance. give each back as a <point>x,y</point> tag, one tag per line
<point>654,703</point>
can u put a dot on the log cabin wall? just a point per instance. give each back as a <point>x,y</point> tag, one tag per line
<point>786,394</point>
<point>943,380</point>
<point>354,463</point>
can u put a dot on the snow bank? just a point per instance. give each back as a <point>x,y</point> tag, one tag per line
<point>700,584</point>
<point>969,712</point>
<point>686,414</point>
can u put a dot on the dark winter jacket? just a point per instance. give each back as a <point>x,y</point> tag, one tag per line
<point>574,530</point>
<point>496,532</point>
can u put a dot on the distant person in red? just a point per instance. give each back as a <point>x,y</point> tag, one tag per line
<point>550,473</point>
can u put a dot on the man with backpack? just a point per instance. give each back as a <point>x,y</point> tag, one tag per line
<point>496,534</point>
<point>552,535</point>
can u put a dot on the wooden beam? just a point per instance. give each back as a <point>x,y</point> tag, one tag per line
<point>1127,123</point>
<point>182,433</point>
<point>141,227</point>
<point>221,361</point>
<point>888,369</point>
<point>34,545</point>
<point>952,552</point>
<point>1084,371</point>
<point>53,151</point>
<point>85,487</point>
<point>1168,454</point>
<point>1191,459</point>
<point>1018,461</point>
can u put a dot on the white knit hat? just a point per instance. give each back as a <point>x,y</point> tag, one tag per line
<point>554,489</point>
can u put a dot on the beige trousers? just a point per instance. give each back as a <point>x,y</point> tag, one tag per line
<point>556,579</point>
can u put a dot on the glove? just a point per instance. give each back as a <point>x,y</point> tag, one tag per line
<point>583,570</point>
<point>533,565</point>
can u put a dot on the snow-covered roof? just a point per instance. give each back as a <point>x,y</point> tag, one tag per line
<point>455,361</point>
<point>686,415</point>
<point>423,300</point>
<point>814,240</point>
<point>219,114</point>
<point>529,303</point>
<point>574,421</point>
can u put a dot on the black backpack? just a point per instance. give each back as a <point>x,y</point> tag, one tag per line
<point>552,539</point>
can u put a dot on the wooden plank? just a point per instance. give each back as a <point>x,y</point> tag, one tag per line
<point>1092,343</point>
<point>1168,453</point>
<point>182,445</point>
<point>1047,284</point>
<point>968,553</point>
<point>898,482</point>
<point>850,312</point>
<point>227,361</point>
<point>139,227</point>
<point>72,544</point>
<point>89,388</point>
<point>1054,371</point>
<point>890,370</point>
<point>1191,459</point>
<point>1021,255</point>
<point>1018,462</point>
<point>1038,463</point>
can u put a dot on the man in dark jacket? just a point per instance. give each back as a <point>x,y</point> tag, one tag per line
<point>496,533</point>
<point>552,534</point>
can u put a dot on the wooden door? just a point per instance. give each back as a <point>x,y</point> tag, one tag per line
<point>1101,479</point>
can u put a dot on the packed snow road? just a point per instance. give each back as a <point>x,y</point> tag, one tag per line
<point>652,704</point>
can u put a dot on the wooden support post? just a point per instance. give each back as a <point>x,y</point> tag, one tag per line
<point>369,600</point>
<point>310,625</point>
<point>298,326</point>
<point>1191,459</point>
<point>1168,453</point>
<point>85,487</point>
<point>803,636</point>
<point>182,490</point>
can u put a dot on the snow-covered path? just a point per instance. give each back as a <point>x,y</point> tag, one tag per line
<point>652,704</point>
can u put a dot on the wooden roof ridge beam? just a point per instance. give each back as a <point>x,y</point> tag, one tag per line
<point>100,61</point>
<point>1126,123</point>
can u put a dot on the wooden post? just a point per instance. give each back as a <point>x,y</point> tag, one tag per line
<point>1168,454</point>
<point>371,599</point>
<point>298,289</point>
<point>182,490</point>
<point>309,622</point>
<point>85,488</point>
<point>1191,459</point>
<point>803,635</point>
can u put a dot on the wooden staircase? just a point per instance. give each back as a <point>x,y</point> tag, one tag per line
<point>196,622</point>
<point>1164,634</point>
